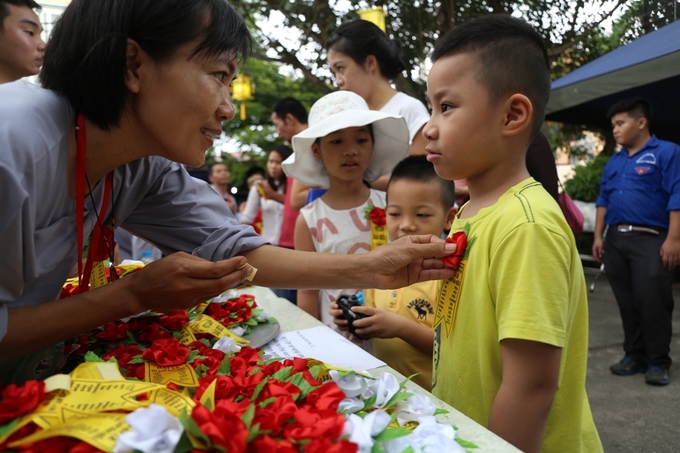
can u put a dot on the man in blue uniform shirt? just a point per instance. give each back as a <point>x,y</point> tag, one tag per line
<point>640,204</point>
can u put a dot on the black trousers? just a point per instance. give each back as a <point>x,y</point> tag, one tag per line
<point>643,291</point>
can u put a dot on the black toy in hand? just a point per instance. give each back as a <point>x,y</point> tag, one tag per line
<point>346,303</point>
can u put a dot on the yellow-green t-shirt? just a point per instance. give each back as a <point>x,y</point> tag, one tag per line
<point>417,303</point>
<point>521,278</point>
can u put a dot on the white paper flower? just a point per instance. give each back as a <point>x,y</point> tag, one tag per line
<point>154,430</point>
<point>411,409</point>
<point>351,405</point>
<point>263,316</point>
<point>225,296</point>
<point>226,345</point>
<point>351,384</point>
<point>429,436</point>
<point>384,387</point>
<point>361,431</point>
<point>237,330</point>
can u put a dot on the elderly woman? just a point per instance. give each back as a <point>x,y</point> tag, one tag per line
<point>132,90</point>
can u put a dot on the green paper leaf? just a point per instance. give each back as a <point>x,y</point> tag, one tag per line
<point>92,357</point>
<point>392,433</point>
<point>7,427</point>
<point>283,374</point>
<point>439,411</point>
<point>136,359</point>
<point>225,367</point>
<point>464,443</point>
<point>248,416</point>
<point>259,388</point>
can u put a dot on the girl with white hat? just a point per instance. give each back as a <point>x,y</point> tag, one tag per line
<point>345,146</point>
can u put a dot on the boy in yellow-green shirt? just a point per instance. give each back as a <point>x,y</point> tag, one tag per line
<point>400,321</point>
<point>511,327</point>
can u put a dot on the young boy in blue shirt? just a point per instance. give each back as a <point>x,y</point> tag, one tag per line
<point>400,321</point>
<point>511,327</point>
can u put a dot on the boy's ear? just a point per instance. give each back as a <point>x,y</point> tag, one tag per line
<point>450,216</point>
<point>134,57</point>
<point>518,115</point>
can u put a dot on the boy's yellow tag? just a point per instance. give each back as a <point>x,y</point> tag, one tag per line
<point>449,298</point>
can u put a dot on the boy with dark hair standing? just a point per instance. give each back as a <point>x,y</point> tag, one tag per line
<point>511,327</point>
<point>400,320</point>
<point>640,202</point>
<point>21,47</point>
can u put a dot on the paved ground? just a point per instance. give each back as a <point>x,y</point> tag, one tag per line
<point>630,415</point>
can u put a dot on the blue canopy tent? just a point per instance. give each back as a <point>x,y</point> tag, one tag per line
<point>647,67</point>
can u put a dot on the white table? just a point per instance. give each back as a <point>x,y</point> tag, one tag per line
<point>292,318</point>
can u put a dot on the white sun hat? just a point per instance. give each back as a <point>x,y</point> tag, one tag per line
<point>340,110</point>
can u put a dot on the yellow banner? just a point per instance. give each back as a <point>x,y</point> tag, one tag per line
<point>174,402</point>
<point>186,336</point>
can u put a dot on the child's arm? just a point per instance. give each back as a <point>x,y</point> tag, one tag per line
<point>307,299</point>
<point>385,324</point>
<point>530,375</point>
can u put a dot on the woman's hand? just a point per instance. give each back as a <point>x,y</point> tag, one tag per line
<point>184,281</point>
<point>408,260</point>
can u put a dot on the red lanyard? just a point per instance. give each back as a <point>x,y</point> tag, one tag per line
<point>96,238</point>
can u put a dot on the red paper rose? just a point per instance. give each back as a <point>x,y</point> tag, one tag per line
<point>19,400</point>
<point>310,424</point>
<point>377,216</point>
<point>328,396</point>
<point>223,428</point>
<point>460,239</point>
<point>325,445</point>
<point>167,352</point>
<point>152,333</point>
<point>113,331</point>
<point>174,320</point>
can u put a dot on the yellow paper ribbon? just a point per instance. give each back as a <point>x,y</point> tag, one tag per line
<point>449,298</point>
<point>182,375</point>
<point>206,324</point>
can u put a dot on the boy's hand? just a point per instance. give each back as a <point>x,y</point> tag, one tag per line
<point>338,318</point>
<point>378,323</point>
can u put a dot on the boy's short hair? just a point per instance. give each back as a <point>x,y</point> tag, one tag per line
<point>85,58</point>
<point>256,170</point>
<point>4,9</point>
<point>291,105</point>
<point>511,55</point>
<point>636,107</point>
<point>417,168</point>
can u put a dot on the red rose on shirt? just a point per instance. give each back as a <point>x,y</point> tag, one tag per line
<point>460,239</point>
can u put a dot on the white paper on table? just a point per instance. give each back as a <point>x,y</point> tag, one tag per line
<point>323,344</point>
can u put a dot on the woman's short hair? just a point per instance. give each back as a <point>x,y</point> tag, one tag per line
<point>85,58</point>
<point>359,38</point>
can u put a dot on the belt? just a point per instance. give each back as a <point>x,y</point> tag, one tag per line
<point>625,228</point>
